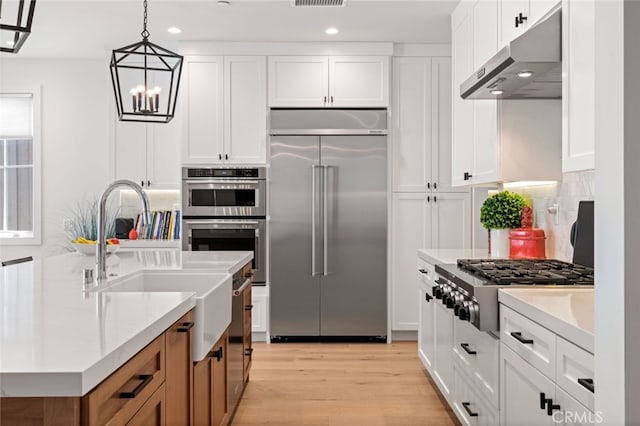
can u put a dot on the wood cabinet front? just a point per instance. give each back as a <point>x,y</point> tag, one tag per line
<point>179,374</point>
<point>210,386</point>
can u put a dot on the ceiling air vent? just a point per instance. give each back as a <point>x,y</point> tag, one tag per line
<point>318,2</point>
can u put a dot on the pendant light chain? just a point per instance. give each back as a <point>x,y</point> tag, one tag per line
<point>145,34</point>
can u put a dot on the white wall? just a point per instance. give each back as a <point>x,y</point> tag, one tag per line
<point>74,138</point>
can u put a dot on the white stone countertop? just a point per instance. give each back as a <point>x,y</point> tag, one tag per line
<point>567,312</point>
<point>434,256</point>
<point>56,340</point>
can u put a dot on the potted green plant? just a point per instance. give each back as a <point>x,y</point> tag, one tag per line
<point>499,214</point>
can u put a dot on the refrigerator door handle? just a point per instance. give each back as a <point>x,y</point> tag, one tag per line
<point>325,236</point>
<point>313,219</point>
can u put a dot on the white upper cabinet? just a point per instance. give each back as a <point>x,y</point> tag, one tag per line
<point>147,153</point>
<point>441,125</point>
<point>517,16</point>
<point>462,150</point>
<point>578,79</point>
<point>412,122</point>
<point>245,112</point>
<point>301,81</point>
<point>202,100</point>
<point>333,81</point>
<point>485,32</point>
<point>359,81</point>
<point>224,102</point>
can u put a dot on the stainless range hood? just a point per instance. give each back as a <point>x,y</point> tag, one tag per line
<point>536,53</point>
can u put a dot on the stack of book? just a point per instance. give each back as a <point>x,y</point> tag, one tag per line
<point>164,225</point>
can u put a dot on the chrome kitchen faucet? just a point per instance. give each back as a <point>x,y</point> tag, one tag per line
<point>101,245</point>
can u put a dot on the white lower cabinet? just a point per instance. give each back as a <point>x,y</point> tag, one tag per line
<point>443,369</point>
<point>524,391</point>
<point>422,220</point>
<point>470,405</point>
<point>426,336</point>
<point>260,303</point>
<point>544,378</point>
<point>476,354</point>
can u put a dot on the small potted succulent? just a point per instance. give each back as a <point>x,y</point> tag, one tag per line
<point>499,214</point>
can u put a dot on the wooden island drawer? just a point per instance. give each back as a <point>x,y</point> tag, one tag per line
<point>122,394</point>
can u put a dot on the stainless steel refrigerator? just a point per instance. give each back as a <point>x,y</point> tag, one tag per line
<point>328,225</point>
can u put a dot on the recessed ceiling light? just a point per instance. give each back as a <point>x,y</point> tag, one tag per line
<point>10,43</point>
<point>332,31</point>
<point>224,3</point>
<point>497,92</point>
<point>525,74</point>
<point>174,30</point>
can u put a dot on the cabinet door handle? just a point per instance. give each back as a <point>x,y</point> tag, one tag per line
<point>435,185</point>
<point>465,346</point>
<point>428,185</point>
<point>248,351</point>
<point>543,401</point>
<point>467,176</point>
<point>518,336</point>
<point>142,183</point>
<point>325,100</point>
<point>146,379</point>
<point>427,297</point>
<point>423,271</point>
<point>218,354</point>
<point>468,410</point>
<point>551,406</point>
<point>248,307</point>
<point>148,183</point>
<point>226,156</point>
<point>219,156</point>
<point>587,383</point>
<point>185,327</point>
<point>435,198</point>
<point>428,198</point>
<point>331,100</point>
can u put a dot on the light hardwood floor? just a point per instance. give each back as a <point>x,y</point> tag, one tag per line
<point>340,384</point>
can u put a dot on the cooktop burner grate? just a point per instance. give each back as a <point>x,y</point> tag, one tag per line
<point>540,271</point>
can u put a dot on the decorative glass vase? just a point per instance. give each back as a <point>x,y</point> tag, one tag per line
<point>499,242</point>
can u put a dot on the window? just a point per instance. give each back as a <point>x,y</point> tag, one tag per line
<point>18,169</point>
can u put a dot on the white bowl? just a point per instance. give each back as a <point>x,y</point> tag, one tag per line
<point>90,249</point>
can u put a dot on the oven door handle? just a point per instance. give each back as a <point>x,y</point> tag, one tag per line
<point>221,182</point>
<point>231,223</point>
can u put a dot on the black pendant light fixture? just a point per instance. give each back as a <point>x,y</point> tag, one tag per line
<point>146,79</point>
<point>15,24</point>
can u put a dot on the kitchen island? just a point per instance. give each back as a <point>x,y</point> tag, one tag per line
<point>57,340</point>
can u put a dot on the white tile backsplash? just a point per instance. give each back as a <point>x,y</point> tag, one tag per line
<point>574,187</point>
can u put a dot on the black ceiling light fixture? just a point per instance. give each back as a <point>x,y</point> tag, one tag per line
<point>15,24</point>
<point>149,77</point>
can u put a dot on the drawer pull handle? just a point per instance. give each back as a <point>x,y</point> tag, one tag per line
<point>427,297</point>
<point>423,271</point>
<point>218,354</point>
<point>551,406</point>
<point>587,383</point>
<point>465,346</point>
<point>146,379</point>
<point>468,410</point>
<point>248,307</point>
<point>543,401</point>
<point>518,336</point>
<point>185,327</point>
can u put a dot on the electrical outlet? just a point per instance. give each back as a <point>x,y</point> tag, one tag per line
<point>67,224</point>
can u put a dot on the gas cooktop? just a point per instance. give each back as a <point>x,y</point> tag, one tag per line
<point>531,271</point>
<point>470,287</point>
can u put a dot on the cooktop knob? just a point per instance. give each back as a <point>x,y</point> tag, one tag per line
<point>473,311</point>
<point>457,307</point>
<point>450,301</point>
<point>463,314</point>
<point>437,292</point>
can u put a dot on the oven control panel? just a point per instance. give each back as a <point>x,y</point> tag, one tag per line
<point>223,173</point>
<point>464,306</point>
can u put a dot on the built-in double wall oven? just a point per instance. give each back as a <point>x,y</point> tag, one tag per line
<point>225,209</point>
